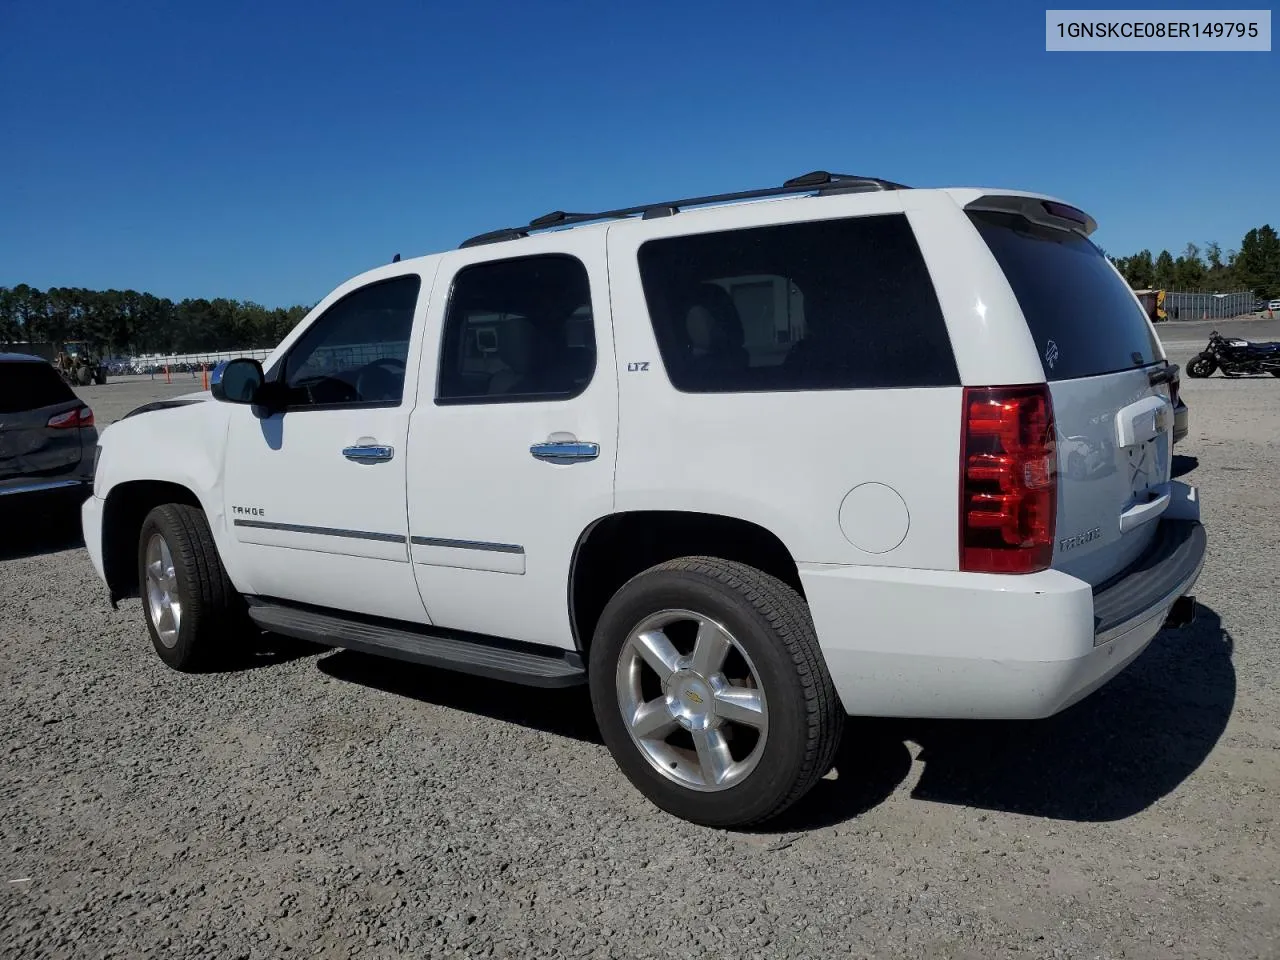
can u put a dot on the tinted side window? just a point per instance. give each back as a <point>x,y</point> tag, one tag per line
<point>825,305</point>
<point>518,330</point>
<point>30,386</point>
<point>1082,316</point>
<point>355,351</point>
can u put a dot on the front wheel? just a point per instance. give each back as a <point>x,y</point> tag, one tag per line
<point>1202,365</point>
<point>195,617</point>
<point>711,691</point>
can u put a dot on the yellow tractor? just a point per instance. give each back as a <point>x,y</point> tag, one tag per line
<point>79,366</point>
<point>1153,303</point>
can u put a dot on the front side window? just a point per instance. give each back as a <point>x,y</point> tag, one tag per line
<point>355,352</point>
<point>518,330</point>
<point>821,305</point>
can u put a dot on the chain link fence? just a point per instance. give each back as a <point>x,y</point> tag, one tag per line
<point>323,360</point>
<point>189,363</point>
<point>1180,305</point>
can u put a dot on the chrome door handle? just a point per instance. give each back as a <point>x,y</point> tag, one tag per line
<point>565,451</point>
<point>370,453</point>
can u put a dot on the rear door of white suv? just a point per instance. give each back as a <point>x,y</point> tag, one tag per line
<point>513,442</point>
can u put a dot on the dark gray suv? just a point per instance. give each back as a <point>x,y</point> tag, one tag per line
<point>47,434</point>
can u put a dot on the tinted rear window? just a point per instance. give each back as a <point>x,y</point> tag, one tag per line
<point>1083,317</point>
<point>823,305</point>
<point>30,386</point>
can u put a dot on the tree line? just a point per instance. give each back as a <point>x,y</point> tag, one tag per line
<point>1255,266</point>
<point>125,322</point>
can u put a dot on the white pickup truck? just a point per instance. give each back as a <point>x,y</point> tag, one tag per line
<point>744,464</point>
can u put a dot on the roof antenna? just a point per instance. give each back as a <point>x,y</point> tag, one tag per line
<point>396,258</point>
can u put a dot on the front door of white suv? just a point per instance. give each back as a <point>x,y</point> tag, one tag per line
<point>514,437</point>
<point>315,493</point>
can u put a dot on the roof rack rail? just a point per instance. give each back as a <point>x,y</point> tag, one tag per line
<point>817,181</point>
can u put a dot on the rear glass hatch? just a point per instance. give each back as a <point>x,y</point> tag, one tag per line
<point>1108,383</point>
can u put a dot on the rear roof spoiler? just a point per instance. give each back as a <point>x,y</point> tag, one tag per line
<point>1041,210</point>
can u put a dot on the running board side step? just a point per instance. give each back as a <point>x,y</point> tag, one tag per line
<point>492,657</point>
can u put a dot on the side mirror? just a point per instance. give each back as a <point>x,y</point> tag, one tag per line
<point>241,381</point>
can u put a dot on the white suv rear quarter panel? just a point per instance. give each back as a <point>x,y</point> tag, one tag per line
<point>783,460</point>
<point>989,338</point>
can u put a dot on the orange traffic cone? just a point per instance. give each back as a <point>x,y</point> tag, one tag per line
<point>204,376</point>
<point>167,378</point>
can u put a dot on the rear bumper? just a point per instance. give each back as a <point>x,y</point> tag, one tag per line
<point>919,643</point>
<point>1170,566</point>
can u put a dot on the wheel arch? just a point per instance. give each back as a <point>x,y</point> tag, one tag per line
<point>614,548</point>
<point>126,507</point>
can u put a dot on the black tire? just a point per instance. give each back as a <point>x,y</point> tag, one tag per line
<point>1202,365</point>
<point>771,623</point>
<point>213,625</point>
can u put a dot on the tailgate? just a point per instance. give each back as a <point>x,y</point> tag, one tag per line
<point>1115,450</point>
<point>1108,380</point>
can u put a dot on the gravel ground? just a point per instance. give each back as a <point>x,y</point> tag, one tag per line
<point>328,804</point>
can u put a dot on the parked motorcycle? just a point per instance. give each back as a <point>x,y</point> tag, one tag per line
<point>1235,358</point>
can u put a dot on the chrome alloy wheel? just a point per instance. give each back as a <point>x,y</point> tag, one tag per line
<point>692,700</point>
<point>164,603</point>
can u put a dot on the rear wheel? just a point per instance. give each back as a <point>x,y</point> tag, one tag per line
<point>711,692</point>
<point>1201,365</point>
<point>195,617</point>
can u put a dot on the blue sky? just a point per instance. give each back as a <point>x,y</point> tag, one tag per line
<point>268,150</point>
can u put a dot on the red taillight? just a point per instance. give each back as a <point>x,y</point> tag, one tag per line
<point>72,419</point>
<point>1065,211</point>
<point>1008,480</point>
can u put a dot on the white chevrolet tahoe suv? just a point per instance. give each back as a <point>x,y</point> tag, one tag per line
<point>743,464</point>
